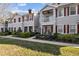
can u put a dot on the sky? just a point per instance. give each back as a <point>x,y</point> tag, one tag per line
<point>23,7</point>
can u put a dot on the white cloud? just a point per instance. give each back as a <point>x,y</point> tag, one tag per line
<point>34,11</point>
<point>21,4</point>
<point>19,11</point>
<point>16,9</point>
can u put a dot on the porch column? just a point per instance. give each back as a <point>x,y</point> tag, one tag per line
<point>27,28</point>
<point>33,28</point>
<point>41,29</point>
<point>54,28</point>
<point>76,9</point>
<point>22,29</point>
<point>76,29</point>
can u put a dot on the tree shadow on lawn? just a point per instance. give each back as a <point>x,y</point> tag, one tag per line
<point>43,47</point>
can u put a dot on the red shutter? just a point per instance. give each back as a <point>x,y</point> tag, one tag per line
<point>65,11</point>
<point>67,28</point>
<point>78,9</point>
<point>56,12</point>
<point>51,28</point>
<point>64,28</point>
<point>78,28</point>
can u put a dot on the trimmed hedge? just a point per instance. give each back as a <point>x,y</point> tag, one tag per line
<point>34,33</point>
<point>5,33</point>
<point>69,51</point>
<point>72,38</point>
<point>22,34</point>
<point>66,38</point>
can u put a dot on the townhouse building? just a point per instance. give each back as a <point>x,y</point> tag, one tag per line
<point>60,17</point>
<point>53,18</point>
<point>15,23</point>
<point>24,23</point>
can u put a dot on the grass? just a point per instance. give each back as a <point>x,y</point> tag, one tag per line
<point>13,47</point>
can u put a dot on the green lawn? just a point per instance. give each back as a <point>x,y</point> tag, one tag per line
<point>25,48</point>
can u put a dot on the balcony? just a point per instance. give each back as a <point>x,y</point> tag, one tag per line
<point>48,12</point>
<point>46,19</point>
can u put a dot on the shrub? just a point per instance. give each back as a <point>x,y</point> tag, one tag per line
<point>34,33</point>
<point>1,33</point>
<point>4,33</point>
<point>13,33</point>
<point>69,51</point>
<point>56,36</point>
<point>22,34</point>
<point>66,37</point>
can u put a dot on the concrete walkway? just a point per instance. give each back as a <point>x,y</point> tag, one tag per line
<point>42,41</point>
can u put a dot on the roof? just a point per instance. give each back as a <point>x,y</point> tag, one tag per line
<point>54,5</point>
<point>46,6</point>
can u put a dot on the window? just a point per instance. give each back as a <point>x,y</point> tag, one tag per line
<point>30,29</point>
<point>72,29</point>
<point>49,29</point>
<point>14,29</point>
<point>23,18</point>
<point>60,12</point>
<point>19,29</point>
<point>2,30</point>
<point>46,12</point>
<point>30,16</point>
<point>19,19</point>
<point>59,29</point>
<point>14,20</point>
<point>25,29</point>
<point>9,28</point>
<point>72,10</point>
<point>46,18</point>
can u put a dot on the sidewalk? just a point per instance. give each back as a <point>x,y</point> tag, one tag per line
<point>42,41</point>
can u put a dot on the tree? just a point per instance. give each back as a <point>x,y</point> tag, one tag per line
<point>4,12</point>
<point>5,15</point>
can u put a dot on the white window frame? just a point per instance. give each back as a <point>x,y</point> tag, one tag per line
<point>60,12</point>
<point>59,29</point>
<point>70,11</point>
<point>72,29</point>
